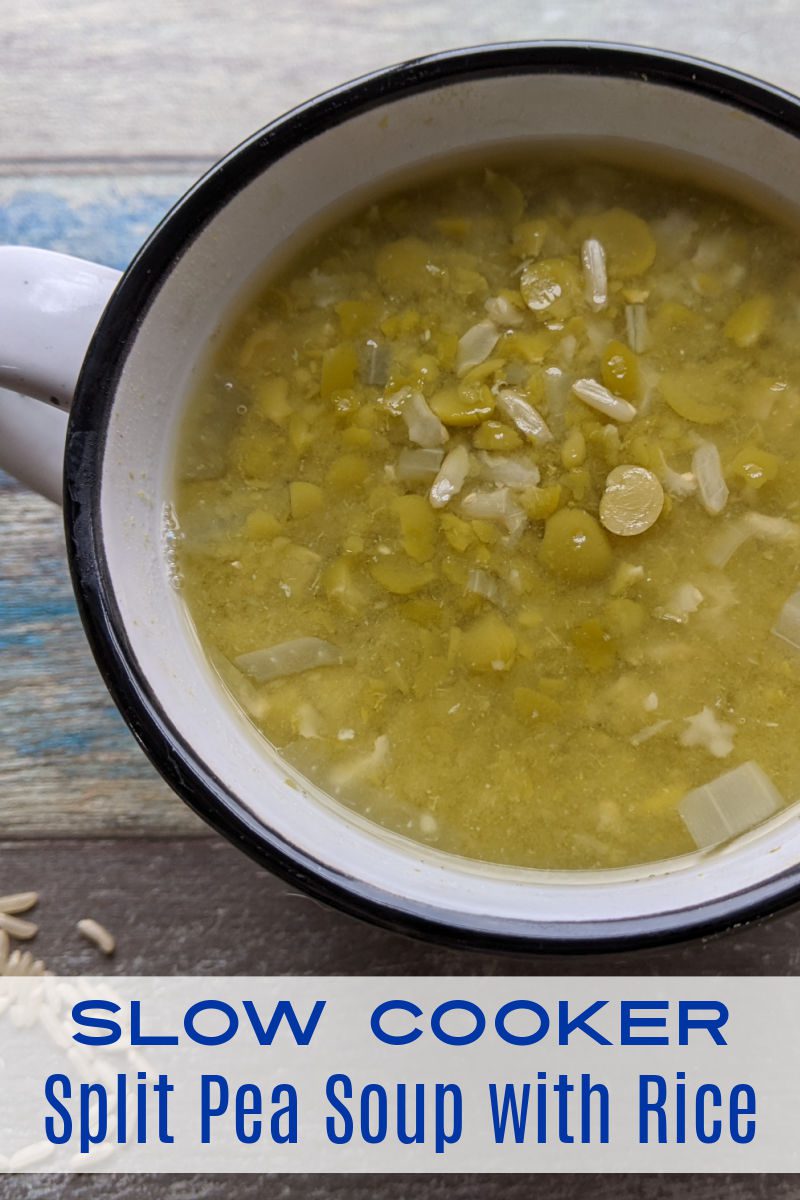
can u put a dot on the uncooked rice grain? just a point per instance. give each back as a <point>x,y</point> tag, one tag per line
<point>85,1162</point>
<point>98,934</point>
<point>15,927</point>
<point>22,962</point>
<point>30,1156</point>
<point>45,1003</point>
<point>19,902</point>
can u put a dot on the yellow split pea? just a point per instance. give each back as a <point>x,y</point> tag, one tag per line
<point>632,500</point>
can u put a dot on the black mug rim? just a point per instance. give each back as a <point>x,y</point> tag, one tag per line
<point>181,764</point>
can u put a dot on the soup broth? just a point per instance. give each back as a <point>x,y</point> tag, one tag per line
<point>488,512</point>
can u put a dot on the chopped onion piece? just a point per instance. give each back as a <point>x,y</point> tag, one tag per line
<point>503,312</point>
<point>325,288</point>
<point>734,275</point>
<point>557,385</point>
<point>498,505</point>
<point>711,251</point>
<point>753,525</point>
<point>367,766</point>
<point>476,345</point>
<point>787,626</point>
<point>481,583</point>
<point>649,385</point>
<point>515,373</point>
<point>599,332</point>
<point>727,542</point>
<point>675,231</point>
<point>308,722</point>
<point>593,258</point>
<point>729,805</point>
<point>374,363</point>
<point>637,328</point>
<point>602,400</point>
<point>509,471</point>
<point>450,479</point>
<point>516,523</point>
<point>289,658</point>
<point>707,469</point>
<point>626,575</point>
<point>521,413</point>
<point>684,601</point>
<point>424,427</point>
<point>687,599</point>
<point>706,730</point>
<point>772,529</point>
<point>418,466</point>
<point>678,483</point>
<point>487,506</point>
<point>566,349</point>
<point>719,594</point>
<point>649,731</point>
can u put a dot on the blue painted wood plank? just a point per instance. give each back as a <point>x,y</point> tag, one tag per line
<point>92,217</point>
<point>68,766</point>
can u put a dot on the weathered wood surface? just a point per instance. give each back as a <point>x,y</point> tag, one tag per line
<point>103,79</point>
<point>194,906</point>
<point>93,97</point>
<point>106,111</point>
<point>409,1187</point>
<point>67,764</point>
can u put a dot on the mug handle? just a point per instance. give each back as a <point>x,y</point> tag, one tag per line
<point>50,305</point>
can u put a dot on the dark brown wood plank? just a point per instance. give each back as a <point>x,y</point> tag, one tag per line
<point>405,1187</point>
<point>197,907</point>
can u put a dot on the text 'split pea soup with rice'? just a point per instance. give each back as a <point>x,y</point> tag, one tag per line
<point>489,513</point>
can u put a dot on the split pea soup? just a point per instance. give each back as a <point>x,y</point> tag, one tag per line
<point>488,512</point>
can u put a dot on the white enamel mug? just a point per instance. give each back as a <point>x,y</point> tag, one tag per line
<point>120,354</point>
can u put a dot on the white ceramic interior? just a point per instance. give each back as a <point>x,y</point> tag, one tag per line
<point>222,263</point>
